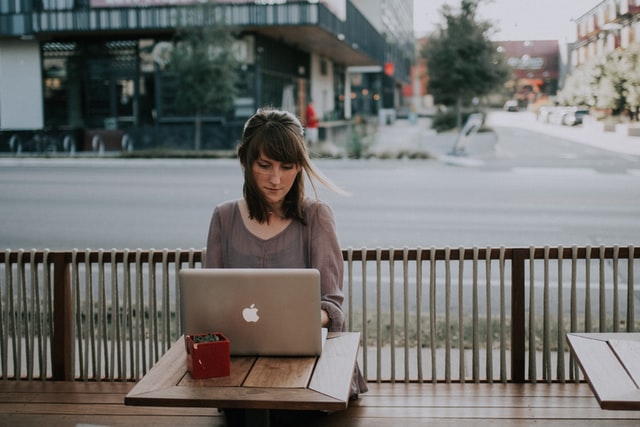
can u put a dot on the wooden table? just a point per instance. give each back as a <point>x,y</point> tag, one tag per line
<point>611,364</point>
<point>256,383</point>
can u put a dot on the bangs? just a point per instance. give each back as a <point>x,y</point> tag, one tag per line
<point>278,143</point>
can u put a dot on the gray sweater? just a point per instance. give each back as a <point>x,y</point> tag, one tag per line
<point>315,245</point>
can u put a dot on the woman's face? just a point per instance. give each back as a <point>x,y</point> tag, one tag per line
<point>274,179</point>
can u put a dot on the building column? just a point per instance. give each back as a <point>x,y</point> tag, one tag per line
<point>21,103</point>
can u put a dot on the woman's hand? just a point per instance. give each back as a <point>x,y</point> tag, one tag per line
<point>324,318</point>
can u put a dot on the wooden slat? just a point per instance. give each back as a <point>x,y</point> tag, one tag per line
<point>611,383</point>
<point>149,419</point>
<point>100,409</point>
<point>333,373</point>
<point>629,354</point>
<point>66,387</point>
<point>240,367</point>
<point>481,413</point>
<point>279,372</point>
<point>167,372</point>
<point>480,405</point>
<point>241,397</point>
<point>66,398</point>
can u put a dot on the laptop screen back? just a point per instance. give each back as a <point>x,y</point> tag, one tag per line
<point>263,312</point>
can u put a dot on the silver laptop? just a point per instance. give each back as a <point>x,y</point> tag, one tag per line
<point>263,312</point>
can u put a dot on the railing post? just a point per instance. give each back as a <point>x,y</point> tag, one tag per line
<point>518,329</point>
<point>62,344</point>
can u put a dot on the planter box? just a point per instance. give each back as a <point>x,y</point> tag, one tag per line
<point>208,359</point>
<point>627,129</point>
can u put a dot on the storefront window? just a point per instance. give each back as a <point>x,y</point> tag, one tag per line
<point>62,95</point>
<point>97,85</point>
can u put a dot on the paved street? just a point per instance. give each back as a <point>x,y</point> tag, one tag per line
<point>515,187</point>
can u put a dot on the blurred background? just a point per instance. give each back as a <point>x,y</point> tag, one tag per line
<point>96,76</point>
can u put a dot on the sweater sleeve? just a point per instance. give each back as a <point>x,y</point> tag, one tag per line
<point>326,256</point>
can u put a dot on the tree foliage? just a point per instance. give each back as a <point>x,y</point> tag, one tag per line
<point>204,66</point>
<point>463,62</point>
<point>608,82</point>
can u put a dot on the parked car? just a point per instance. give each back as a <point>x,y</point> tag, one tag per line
<point>573,115</point>
<point>544,113</point>
<point>566,116</point>
<point>511,105</point>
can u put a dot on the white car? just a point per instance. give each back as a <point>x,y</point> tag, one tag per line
<point>511,105</point>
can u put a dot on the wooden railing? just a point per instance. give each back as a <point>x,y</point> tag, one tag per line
<point>451,315</point>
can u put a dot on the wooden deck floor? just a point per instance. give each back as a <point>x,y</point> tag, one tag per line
<point>101,404</point>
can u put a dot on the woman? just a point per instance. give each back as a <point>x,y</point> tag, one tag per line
<point>274,224</point>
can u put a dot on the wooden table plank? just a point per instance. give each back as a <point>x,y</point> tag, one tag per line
<point>281,372</point>
<point>629,354</point>
<point>610,381</point>
<point>167,372</point>
<point>334,372</point>
<point>240,367</point>
<point>240,397</point>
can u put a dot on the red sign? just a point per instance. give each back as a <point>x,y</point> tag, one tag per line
<point>389,69</point>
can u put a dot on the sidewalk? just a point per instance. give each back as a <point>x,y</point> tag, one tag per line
<point>584,135</point>
<point>402,136</point>
<point>420,140</point>
<point>405,137</point>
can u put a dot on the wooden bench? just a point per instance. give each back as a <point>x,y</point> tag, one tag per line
<point>38,403</point>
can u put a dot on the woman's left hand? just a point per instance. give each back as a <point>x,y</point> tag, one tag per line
<point>324,318</point>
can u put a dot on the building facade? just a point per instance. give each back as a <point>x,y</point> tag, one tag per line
<point>393,19</point>
<point>609,25</point>
<point>81,72</point>
<point>535,68</point>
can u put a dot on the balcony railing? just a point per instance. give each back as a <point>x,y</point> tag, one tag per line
<point>356,32</point>
<point>450,315</point>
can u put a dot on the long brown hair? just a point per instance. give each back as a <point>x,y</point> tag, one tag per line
<point>278,135</point>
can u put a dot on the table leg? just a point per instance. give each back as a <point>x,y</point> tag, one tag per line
<point>257,417</point>
<point>243,417</point>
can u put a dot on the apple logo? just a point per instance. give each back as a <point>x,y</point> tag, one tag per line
<point>250,314</point>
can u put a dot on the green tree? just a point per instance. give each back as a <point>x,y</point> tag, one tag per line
<point>462,62</point>
<point>204,66</point>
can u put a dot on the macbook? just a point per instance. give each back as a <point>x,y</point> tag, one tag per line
<point>263,312</point>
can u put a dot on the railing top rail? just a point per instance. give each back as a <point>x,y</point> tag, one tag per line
<point>494,253</point>
<point>354,254</point>
<point>96,255</point>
